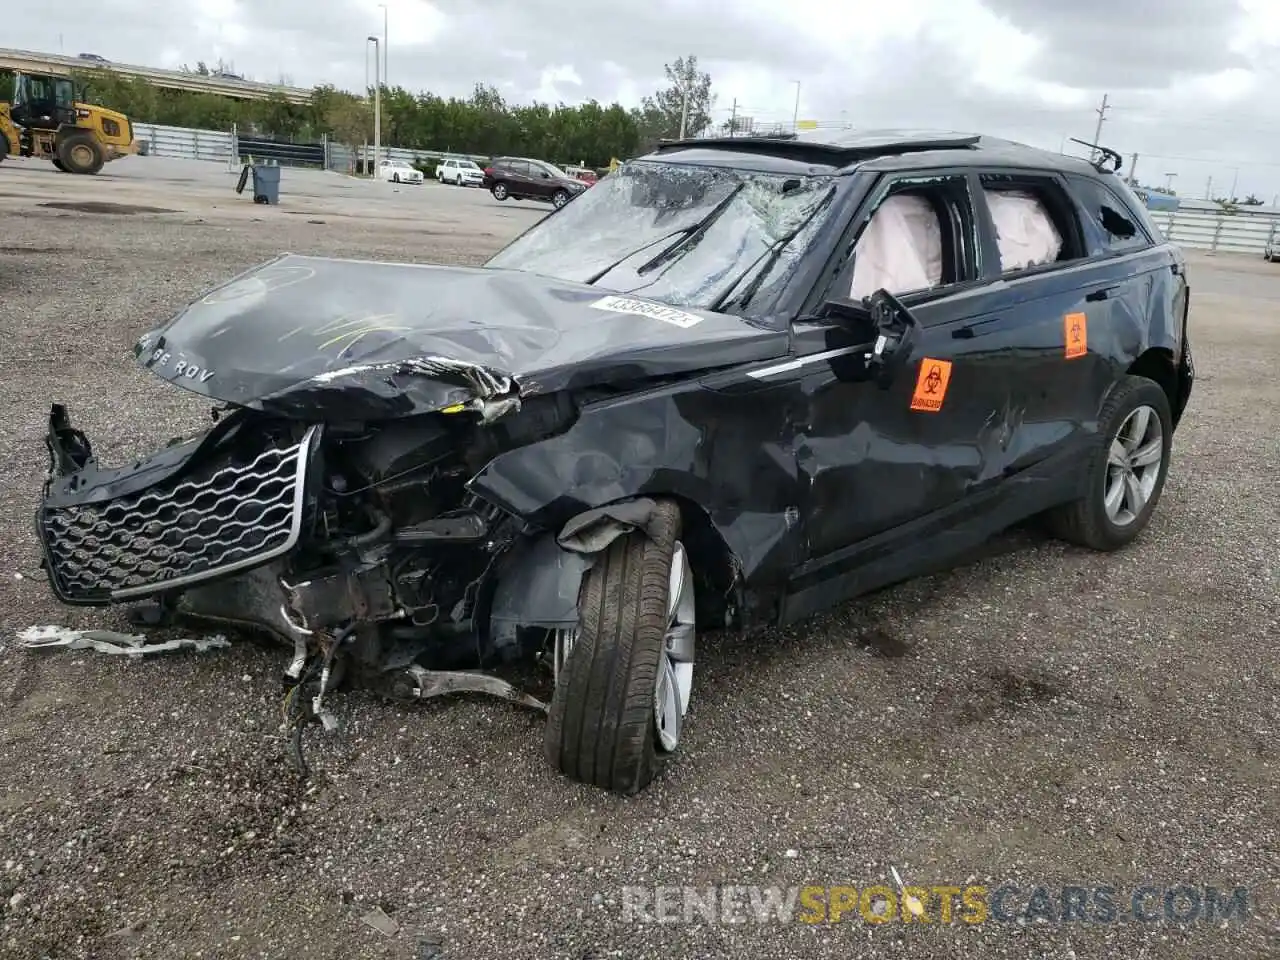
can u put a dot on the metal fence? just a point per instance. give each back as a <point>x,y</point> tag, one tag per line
<point>282,152</point>
<point>1241,231</point>
<point>185,142</point>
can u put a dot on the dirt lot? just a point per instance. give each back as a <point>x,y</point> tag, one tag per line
<point>1045,716</point>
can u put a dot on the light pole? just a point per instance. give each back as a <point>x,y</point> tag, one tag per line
<point>385,43</point>
<point>364,160</point>
<point>795,117</point>
<point>1168,181</point>
<point>377,105</point>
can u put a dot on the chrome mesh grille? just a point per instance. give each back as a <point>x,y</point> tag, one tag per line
<point>225,516</point>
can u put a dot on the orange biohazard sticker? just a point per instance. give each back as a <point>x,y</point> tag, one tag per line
<point>1076,331</point>
<point>931,385</point>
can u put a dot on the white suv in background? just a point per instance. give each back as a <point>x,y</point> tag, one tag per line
<point>462,173</point>
<point>399,171</point>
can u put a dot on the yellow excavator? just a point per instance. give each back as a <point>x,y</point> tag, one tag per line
<point>49,120</point>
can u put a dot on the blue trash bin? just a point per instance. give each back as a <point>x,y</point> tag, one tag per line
<point>266,184</point>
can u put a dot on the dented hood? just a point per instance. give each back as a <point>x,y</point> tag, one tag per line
<point>317,337</point>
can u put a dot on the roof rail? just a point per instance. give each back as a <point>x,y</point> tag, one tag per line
<point>1105,153</point>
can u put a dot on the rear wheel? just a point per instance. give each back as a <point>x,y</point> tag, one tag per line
<point>624,676</point>
<point>1125,472</point>
<point>499,191</point>
<point>58,163</point>
<point>561,198</point>
<point>80,153</point>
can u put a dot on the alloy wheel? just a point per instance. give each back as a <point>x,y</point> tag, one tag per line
<point>1133,465</point>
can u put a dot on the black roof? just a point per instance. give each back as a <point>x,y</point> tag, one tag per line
<point>843,150</point>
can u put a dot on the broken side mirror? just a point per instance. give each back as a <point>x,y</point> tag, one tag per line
<point>896,333</point>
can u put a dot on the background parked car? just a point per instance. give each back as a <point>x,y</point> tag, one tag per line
<point>585,174</point>
<point>399,171</point>
<point>461,173</point>
<point>522,178</point>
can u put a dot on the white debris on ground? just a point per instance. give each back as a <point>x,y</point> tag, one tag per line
<point>111,642</point>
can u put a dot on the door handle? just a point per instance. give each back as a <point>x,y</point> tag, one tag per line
<point>1096,295</point>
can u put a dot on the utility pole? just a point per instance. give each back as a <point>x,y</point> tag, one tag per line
<point>1133,171</point>
<point>684,108</point>
<point>1168,181</point>
<point>733,118</point>
<point>1234,180</point>
<point>795,117</point>
<point>1208,189</point>
<point>1097,131</point>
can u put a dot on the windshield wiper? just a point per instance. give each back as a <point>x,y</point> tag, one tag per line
<point>770,257</point>
<point>631,253</point>
<point>691,234</point>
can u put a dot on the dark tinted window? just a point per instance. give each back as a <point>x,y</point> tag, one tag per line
<point>1120,226</point>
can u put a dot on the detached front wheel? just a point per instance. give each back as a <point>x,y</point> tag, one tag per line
<point>625,675</point>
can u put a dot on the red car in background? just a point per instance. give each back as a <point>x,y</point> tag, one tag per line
<point>585,174</point>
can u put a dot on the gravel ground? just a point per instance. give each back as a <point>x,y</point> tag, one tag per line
<point>1044,716</point>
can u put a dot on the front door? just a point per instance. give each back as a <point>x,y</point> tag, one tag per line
<point>878,453</point>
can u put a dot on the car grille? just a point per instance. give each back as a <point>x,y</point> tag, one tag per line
<point>223,518</point>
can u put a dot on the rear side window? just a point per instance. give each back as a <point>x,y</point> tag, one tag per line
<point>1120,226</point>
<point>1033,219</point>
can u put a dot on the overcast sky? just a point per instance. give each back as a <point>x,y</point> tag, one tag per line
<point>1193,83</point>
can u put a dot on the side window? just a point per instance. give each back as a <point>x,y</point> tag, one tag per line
<point>916,240</point>
<point>519,168</point>
<point>1121,228</point>
<point>1034,221</point>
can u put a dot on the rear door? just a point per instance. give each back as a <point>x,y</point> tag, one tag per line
<point>516,172</point>
<point>1079,316</point>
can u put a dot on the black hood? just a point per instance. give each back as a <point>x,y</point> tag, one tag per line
<point>318,337</point>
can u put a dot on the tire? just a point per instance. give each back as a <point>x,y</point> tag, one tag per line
<point>603,724</point>
<point>499,191</point>
<point>80,153</point>
<point>561,198</point>
<point>1089,521</point>
<point>58,163</point>
<point>4,147</point>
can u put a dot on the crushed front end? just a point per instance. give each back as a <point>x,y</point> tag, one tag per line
<point>358,544</point>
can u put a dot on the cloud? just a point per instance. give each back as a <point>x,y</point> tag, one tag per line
<point>1188,81</point>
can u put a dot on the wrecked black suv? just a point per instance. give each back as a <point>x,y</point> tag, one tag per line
<point>733,384</point>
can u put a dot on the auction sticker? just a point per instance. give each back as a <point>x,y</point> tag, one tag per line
<point>646,308</point>
<point>931,385</point>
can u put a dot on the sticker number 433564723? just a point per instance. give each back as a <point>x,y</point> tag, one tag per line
<point>647,308</point>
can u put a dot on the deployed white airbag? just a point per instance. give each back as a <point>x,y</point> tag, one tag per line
<point>900,250</point>
<point>1024,229</point>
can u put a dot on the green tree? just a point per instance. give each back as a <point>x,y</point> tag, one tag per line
<point>482,124</point>
<point>659,115</point>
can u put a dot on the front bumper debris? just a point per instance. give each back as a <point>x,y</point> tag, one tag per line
<point>111,642</point>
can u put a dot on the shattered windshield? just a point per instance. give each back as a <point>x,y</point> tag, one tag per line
<point>684,235</point>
